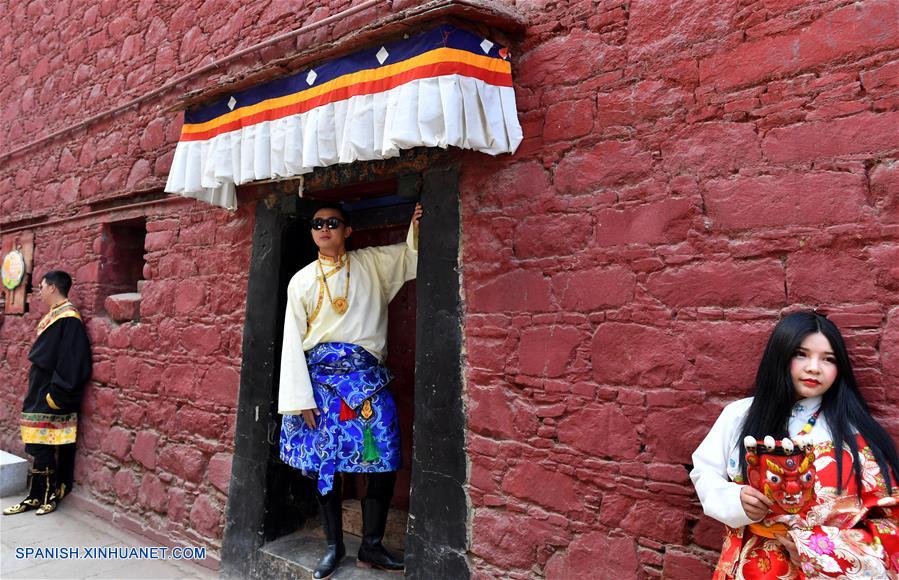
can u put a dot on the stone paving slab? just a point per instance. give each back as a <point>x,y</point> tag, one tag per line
<point>296,556</point>
<point>13,473</point>
<point>69,527</point>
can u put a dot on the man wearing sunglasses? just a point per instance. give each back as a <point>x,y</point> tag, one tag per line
<point>338,413</point>
<point>60,366</point>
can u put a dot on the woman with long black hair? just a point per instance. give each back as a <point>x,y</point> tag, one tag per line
<point>801,473</point>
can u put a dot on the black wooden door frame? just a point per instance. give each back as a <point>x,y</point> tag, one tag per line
<point>437,541</point>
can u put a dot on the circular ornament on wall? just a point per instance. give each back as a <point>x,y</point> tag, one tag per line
<point>13,269</point>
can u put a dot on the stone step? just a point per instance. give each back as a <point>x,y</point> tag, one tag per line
<point>296,555</point>
<point>397,521</point>
<point>13,474</point>
<point>123,307</point>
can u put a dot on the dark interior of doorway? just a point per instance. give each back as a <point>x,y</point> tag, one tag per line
<point>437,537</point>
<point>379,217</point>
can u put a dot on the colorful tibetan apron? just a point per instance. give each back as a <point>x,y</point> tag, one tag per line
<point>357,430</point>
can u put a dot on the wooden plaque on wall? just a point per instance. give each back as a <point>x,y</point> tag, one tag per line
<point>15,300</point>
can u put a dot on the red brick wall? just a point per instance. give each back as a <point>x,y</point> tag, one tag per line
<point>157,427</point>
<point>157,423</point>
<point>689,170</point>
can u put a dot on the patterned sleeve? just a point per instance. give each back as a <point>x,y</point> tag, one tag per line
<point>886,531</point>
<point>829,552</point>
<point>868,549</point>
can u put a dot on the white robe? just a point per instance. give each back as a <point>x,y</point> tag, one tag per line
<point>376,275</point>
<point>716,460</point>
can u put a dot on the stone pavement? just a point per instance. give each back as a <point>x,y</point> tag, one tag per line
<point>69,527</point>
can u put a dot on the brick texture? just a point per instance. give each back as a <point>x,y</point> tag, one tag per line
<point>740,161</point>
<point>690,170</point>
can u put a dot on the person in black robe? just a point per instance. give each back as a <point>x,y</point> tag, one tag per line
<point>60,367</point>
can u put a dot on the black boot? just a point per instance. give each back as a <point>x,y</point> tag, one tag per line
<point>372,554</point>
<point>65,470</point>
<point>332,524</point>
<point>37,495</point>
<point>51,501</point>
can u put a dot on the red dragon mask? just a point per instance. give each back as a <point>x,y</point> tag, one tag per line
<point>784,471</point>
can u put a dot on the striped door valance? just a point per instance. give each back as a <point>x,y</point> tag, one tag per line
<point>442,87</point>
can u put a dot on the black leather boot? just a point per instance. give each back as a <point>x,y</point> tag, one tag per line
<point>51,500</point>
<point>372,554</point>
<point>332,524</point>
<point>37,496</point>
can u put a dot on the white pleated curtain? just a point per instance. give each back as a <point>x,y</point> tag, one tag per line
<point>447,110</point>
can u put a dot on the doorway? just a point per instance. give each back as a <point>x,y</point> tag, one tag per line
<point>267,500</point>
<point>379,217</point>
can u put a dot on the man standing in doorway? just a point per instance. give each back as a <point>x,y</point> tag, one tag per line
<point>60,367</point>
<point>339,415</point>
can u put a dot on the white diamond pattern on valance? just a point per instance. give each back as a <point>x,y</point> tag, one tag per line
<point>443,87</point>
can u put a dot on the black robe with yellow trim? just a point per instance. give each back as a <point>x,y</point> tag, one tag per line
<point>60,367</point>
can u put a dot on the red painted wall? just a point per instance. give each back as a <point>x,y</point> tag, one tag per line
<point>689,170</point>
<point>157,427</point>
<point>157,423</point>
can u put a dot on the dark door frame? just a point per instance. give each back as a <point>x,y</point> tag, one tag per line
<point>437,540</point>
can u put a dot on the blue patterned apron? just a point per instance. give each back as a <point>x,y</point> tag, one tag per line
<point>342,371</point>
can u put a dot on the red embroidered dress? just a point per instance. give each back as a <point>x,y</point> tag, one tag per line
<point>839,537</point>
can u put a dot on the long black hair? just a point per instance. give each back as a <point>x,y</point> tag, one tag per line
<point>842,405</point>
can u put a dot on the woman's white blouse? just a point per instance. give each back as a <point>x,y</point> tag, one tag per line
<point>716,460</point>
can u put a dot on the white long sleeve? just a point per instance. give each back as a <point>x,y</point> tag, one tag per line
<point>376,275</point>
<point>393,265</point>
<point>714,462</point>
<point>295,386</point>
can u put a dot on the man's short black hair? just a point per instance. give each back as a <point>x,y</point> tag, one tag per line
<point>344,214</point>
<point>61,280</point>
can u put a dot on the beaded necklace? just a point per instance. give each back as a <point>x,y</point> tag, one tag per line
<point>811,423</point>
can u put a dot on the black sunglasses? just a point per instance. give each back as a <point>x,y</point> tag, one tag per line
<point>332,223</point>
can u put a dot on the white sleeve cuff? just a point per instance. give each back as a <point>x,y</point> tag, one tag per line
<point>731,511</point>
<point>412,239</point>
<point>291,399</point>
